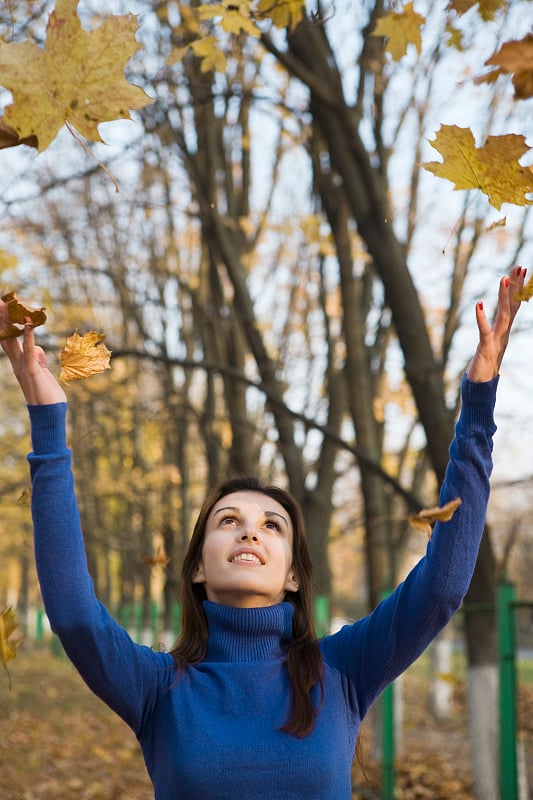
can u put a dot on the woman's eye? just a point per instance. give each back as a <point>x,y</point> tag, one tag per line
<point>272,525</point>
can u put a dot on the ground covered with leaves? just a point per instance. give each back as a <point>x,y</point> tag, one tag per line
<point>58,741</point>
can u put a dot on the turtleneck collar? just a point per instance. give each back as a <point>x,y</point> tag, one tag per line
<point>247,634</point>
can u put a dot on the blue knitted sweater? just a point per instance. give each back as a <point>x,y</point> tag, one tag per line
<point>212,733</point>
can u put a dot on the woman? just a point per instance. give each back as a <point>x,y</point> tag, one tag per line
<point>249,704</point>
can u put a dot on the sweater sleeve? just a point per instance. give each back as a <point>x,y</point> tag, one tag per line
<point>123,674</point>
<point>373,651</point>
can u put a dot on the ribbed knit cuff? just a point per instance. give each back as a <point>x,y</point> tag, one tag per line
<point>48,428</point>
<point>478,401</point>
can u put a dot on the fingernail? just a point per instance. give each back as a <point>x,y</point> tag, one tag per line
<point>506,282</point>
<point>480,306</point>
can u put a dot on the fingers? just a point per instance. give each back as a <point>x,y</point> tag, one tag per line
<point>493,338</point>
<point>29,342</point>
<point>482,321</point>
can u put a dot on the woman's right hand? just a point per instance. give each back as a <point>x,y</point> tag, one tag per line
<point>28,361</point>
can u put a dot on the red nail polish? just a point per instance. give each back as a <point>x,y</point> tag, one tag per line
<point>506,282</point>
<point>480,306</point>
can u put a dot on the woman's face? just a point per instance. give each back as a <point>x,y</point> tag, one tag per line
<point>247,552</point>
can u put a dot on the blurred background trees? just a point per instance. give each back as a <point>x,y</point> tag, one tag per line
<point>285,291</point>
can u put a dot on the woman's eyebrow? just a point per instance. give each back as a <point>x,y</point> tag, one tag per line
<point>275,514</point>
<point>225,508</point>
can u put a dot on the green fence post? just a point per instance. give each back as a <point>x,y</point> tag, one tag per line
<point>39,626</point>
<point>507,698</point>
<point>388,776</point>
<point>388,754</point>
<point>322,614</point>
<point>175,617</point>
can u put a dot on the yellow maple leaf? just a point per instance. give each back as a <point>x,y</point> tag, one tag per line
<point>493,168</point>
<point>455,37</point>
<point>206,49</point>
<point>10,138</point>
<point>232,18</point>
<point>486,8</point>
<point>8,641</point>
<point>283,13</point>
<point>526,291</point>
<point>13,312</point>
<point>212,56</point>
<point>422,521</point>
<point>77,78</point>
<point>83,356</point>
<point>400,29</point>
<point>515,58</point>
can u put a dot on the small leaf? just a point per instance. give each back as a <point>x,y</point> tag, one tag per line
<point>10,138</point>
<point>212,56</point>
<point>84,356</point>
<point>8,642</point>
<point>283,13</point>
<point>160,558</point>
<point>487,8</point>
<point>400,29</point>
<point>499,223</point>
<point>423,520</point>
<point>12,322</point>
<point>233,17</point>
<point>515,58</point>
<point>24,496</point>
<point>526,291</point>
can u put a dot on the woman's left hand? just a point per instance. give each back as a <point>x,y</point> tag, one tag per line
<point>493,339</point>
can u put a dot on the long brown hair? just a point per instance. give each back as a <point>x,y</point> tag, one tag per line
<point>304,660</point>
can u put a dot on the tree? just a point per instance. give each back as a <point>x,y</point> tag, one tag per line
<point>258,324</point>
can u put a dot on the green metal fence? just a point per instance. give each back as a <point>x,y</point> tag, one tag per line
<point>131,617</point>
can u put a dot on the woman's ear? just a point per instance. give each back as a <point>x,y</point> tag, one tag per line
<point>199,574</point>
<point>291,584</point>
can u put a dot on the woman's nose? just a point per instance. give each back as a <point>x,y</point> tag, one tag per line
<point>249,536</point>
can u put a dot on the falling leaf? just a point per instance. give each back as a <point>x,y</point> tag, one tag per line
<point>160,558</point>
<point>422,521</point>
<point>24,496</point>
<point>526,291</point>
<point>10,138</point>
<point>493,168</point>
<point>83,356</point>
<point>515,58</point>
<point>455,37</point>
<point>12,323</point>
<point>77,78</point>
<point>8,642</point>
<point>206,49</point>
<point>233,17</point>
<point>400,29</point>
<point>486,8</point>
<point>499,223</point>
<point>283,13</point>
